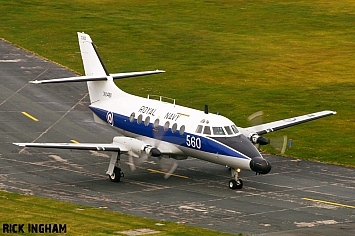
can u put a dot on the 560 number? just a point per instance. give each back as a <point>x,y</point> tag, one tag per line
<point>192,141</point>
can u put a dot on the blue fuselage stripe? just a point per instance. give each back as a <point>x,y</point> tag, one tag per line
<point>206,145</point>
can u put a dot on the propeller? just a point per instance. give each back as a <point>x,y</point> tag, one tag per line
<point>167,165</point>
<point>277,143</point>
<point>144,154</point>
<point>256,119</point>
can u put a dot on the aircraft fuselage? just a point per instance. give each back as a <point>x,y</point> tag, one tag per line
<point>194,133</point>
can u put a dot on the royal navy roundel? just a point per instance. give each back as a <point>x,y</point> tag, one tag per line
<point>109,117</point>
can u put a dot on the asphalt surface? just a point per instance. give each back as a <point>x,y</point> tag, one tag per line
<point>296,198</point>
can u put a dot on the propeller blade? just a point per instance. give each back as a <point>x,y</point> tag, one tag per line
<point>135,161</point>
<point>171,171</point>
<point>168,165</point>
<point>279,143</point>
<point>256,118</point>
<point>131,164</point>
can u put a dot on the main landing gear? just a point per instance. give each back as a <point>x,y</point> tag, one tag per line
<point>114,171</point>
<point>235,183</point>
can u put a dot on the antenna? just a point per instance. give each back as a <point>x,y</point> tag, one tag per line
<point>206,109</point>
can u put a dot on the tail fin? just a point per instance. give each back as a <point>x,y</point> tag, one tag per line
<point>98,79</point>
<point>93,65</point>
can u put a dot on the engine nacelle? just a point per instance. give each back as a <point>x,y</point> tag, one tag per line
<point>257,139</point>
<point>137,147</point>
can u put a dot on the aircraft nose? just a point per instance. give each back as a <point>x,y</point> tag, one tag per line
<point>260,165</point>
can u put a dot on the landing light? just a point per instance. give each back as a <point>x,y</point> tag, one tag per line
<point>238,170</point>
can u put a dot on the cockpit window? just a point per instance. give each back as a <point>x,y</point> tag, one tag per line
<point>234,128</point>
<point>228,129</point>
<point>199,129</point>
<point>218,131</point>
<point>207,130</point>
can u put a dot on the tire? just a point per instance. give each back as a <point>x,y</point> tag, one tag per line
<point>116,176</point>
<point>239,184</point>
<point>235,184</point>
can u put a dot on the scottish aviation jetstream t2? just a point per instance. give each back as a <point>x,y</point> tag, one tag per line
<point>156,128</point>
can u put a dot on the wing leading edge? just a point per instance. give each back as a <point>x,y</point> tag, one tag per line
<point>120,144</point>
<point>282,124</point>
<point>116,147</point>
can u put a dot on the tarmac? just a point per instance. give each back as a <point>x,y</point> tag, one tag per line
<point>296,198</point>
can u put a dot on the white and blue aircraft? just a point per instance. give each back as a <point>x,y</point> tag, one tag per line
<point>156,128</point>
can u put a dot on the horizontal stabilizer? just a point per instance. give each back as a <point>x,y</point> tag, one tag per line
<point>70,79</point>
<point>81,146</point>
<point>135,74</point>
<point>97,78</point>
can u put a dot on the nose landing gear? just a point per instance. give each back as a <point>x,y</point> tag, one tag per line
<point>235,183</point>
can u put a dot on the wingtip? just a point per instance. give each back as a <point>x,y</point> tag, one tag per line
<point>329,112</point>
<point>35,82</point>
<point>19,144</point>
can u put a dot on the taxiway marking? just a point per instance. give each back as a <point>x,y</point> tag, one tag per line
<point>164,173</point>
<point>330,203</point>
<point>29,116</point>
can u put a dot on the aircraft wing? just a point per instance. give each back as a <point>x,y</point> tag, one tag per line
<point>282,124</point>
<point>81,146</point>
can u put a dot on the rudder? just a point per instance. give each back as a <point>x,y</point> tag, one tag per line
<point>93,65</point>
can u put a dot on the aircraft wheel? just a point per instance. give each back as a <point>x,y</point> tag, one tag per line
<point>233,184</point>
<point>116,175</point>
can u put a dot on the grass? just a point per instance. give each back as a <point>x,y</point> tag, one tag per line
<point>286,58</point>
<point>82,220</point>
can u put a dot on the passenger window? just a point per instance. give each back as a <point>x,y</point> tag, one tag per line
<point>174,128</point>
<point>228,129</point>
<point>207,130</point>
<point>166,126</point>
<point>147,120</point>
<point>218,131</point>
<point>199,129</point>
<point>156,123</point>
<point>140,118</point>
<point>182,129</point>
<point>131,118</point>
<point>235,130</point>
